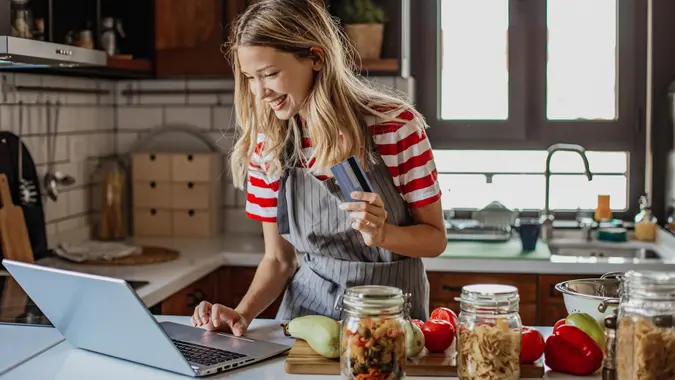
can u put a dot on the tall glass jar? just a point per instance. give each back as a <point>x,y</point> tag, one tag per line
<point>489,333</point>
<point>646,332</point>
<point>372,340</point>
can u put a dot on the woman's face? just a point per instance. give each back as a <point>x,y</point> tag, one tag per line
<point>280,80</point>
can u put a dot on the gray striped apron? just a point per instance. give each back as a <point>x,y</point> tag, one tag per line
<point>335,255</point>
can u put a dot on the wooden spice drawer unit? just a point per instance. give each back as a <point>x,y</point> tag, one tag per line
<point>181,189</point>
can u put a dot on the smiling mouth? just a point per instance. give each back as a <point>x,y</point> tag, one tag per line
<point>278,103</point>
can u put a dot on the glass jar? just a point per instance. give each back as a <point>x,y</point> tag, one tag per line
<point>489,333</point>
<point>372,340</point>
<point>646,334</point>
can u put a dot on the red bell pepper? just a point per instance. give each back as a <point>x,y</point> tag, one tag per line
<point>570,350</point>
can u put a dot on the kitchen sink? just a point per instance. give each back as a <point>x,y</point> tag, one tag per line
<point>608,252</point>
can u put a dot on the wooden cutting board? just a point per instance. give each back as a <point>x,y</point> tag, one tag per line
<point>13,231</point>
<point>149,255</point>
<point>303,360</point>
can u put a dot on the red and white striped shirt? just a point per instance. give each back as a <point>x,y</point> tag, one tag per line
<point>404,148</point>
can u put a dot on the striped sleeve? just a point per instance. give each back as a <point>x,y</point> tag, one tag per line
<point>262,189</point>
<point>406,150</point>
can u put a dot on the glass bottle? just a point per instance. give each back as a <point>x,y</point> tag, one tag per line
<point>372,339</point>
<point>645,221</point>
<point>489,333</point>
<point>646,333</point>
<point>112,201</point>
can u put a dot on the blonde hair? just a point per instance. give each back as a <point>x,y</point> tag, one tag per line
<point>338,102</point>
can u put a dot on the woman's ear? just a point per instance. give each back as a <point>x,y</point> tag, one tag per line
<point>318,58</point>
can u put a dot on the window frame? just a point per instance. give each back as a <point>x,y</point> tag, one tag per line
<point>527,127</point>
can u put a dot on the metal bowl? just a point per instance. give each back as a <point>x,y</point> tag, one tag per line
<point>595,296</point>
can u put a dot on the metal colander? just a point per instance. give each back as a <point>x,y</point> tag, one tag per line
<point>586,295</point>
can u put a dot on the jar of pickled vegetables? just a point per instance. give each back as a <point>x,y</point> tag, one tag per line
<point>489,333</point>
<point>372,340</point>
<point>645,348</point>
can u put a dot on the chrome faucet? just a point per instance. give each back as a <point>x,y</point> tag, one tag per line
<point>546,215</point>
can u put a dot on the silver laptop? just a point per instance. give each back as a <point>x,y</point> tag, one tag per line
<point>105,315</point>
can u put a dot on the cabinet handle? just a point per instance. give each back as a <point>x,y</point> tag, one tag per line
<point>191,212</point>
<point>190,185</point>
<point>152,157</point>
<point>195,298</point>
<point>449,288</point>
<point>189,157</point>
<point>153,211</point>
<point>153,184</point>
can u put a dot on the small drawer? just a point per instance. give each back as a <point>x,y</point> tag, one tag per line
<point>196,167</point>
<point>152,194</point>
<point>151,166</point>
<point>194,223</point>
<point>152,222</point>
<point>192,195</point>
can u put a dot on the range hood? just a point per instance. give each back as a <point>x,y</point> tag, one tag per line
<point>19,52</point>
<point>23,52</point>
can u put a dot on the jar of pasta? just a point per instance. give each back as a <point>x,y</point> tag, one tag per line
<point>645,346</point>
<point>372,340</point>
<point>488,333</point>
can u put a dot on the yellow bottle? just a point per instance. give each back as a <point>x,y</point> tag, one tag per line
<point>603,212</point>
<point>645,222</point>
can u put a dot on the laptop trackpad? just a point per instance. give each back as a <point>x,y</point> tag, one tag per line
<point>223,341</point>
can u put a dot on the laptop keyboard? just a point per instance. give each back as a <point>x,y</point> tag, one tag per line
<point>205,355</point>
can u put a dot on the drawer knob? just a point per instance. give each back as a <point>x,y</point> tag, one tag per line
<point>152,157</point>
<point>189,157</point>
<point>191,212</point>
<point>153,184</point>
<point>195,298</point>
<point>153,211</point>
<point>190,185</point>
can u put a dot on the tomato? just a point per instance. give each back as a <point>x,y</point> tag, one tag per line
<point>438,335</point>
<point>444,314</point>
<point>417,322</point>
<point>532,346</point>
<point>558,324</point>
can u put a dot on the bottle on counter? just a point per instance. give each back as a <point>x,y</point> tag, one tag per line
<point>377,316</point>
<point>489,333</point>
<point>645,346</point>
<point>603,211</point>
<point>645,221</point>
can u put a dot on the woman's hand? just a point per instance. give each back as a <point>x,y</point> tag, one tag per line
<point>217,317</point>
<point>369,216</point>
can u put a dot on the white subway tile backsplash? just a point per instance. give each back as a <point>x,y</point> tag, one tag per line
<point>224,118</point>
<point>197,116</point>
<point>55,210</point>
<point>78,201</point>
<point>139,117</point>
<point>125,140</point>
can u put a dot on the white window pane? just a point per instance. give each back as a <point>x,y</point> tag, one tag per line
<point>474,74</point>
<point>569,192</point>
<point>527,161</point>
<point>582,61</point>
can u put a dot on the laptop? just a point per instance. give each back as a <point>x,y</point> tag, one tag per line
<point>105,315</point>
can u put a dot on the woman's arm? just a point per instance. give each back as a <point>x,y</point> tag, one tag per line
<point>426,238</point>
<point>275,269</point>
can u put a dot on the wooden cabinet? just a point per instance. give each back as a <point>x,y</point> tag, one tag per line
<point>189,35</point>
<point>184,301</point>
<point>234,283</point>
<point>551,303</point>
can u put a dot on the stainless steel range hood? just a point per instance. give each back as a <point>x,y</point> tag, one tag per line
<point>26,53</point>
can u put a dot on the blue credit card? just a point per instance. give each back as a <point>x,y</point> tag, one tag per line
<point>351,177</point>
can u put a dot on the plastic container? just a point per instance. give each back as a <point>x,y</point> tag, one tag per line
<point>489,333</point>
<point>372,340</point>
<point>645,346</point>
<point>645,222</point>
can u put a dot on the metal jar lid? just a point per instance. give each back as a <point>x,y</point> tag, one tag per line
<point>490,298</point>
<point>649,285</point>
<point>373,299</point>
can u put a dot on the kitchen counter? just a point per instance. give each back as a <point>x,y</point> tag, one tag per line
<point>200,257</point>
<point>65,362</point>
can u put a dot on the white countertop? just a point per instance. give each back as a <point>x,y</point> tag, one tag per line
<point>21,343</point>
<point>65,362</point>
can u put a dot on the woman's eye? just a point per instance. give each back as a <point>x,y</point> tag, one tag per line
<point>271,75</point>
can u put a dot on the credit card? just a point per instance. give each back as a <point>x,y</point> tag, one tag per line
<point>351,177</point>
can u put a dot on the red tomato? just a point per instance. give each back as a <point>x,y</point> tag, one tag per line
<point>444,314</point>
<point>417,322</point>
<point>558,324</point>
<point>532,346</point>
<point>438,335</point>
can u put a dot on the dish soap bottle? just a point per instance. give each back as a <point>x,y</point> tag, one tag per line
<point>645,221</point>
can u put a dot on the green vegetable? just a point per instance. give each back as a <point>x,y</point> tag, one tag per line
<point>414,339</point>
<point>588,324</point>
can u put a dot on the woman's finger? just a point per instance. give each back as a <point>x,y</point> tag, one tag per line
<point>372,198</point>
<point>362,206</point>
<point>368,217</point>
<point>204,308</point>
<point>365,228</point>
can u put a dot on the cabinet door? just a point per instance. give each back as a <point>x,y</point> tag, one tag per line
<point>189,35</point>
<point>184,301</point>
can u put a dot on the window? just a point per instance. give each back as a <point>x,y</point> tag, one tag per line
<point>520,75</point>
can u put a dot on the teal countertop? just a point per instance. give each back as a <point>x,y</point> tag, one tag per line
<point>509,250</point>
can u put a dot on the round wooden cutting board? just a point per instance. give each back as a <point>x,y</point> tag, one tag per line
<point>150,255</point>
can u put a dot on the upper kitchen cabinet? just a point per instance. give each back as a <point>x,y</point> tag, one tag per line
<point>189,35</point>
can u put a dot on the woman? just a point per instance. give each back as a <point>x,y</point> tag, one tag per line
<point>301,110</point>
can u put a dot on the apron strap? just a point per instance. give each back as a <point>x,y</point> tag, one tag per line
<point>283,224</point>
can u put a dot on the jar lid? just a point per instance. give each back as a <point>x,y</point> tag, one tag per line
<point>490,296</point>
<point>648,284</point>
<point>374,299</point>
